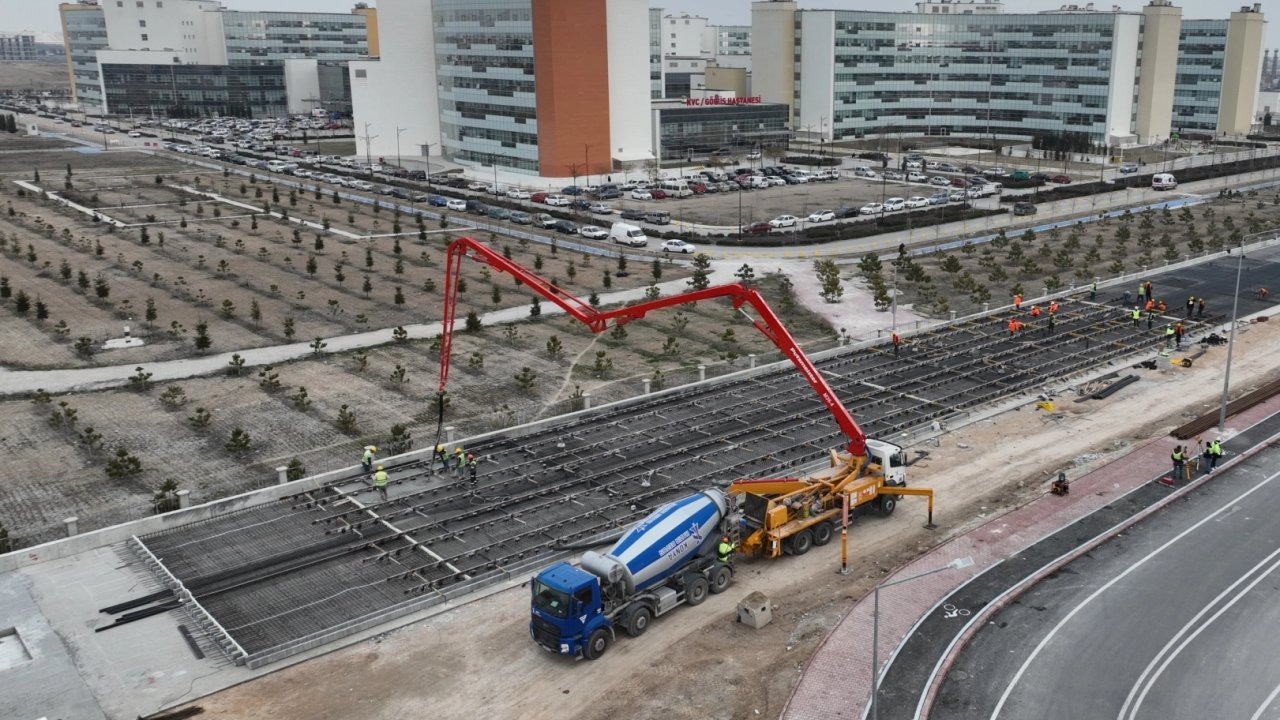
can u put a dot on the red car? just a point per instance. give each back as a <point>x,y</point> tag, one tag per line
<point>1060,179</point>
<point>760,228</point>
<point>698,188</point>
<point>538,197</point>
<point>959,182</point>
<point>658,194</point>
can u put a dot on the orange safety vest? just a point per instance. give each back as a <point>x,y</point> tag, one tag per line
<point>1035,311</point>
<point>1053,307</point>
<point>1150,304</point>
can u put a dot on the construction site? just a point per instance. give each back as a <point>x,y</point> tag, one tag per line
<point>336,597</point>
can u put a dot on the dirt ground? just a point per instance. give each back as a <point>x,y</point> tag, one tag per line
<point>44,75</point>
<point>697,663</point>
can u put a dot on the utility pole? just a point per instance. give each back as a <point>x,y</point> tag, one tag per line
<point>426,152</point>
<point>586,164</point>
<point>368,153</point>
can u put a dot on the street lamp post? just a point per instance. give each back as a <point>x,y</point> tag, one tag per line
<point>426,152</point>
<point>957,564</point>
<point>586,162</point>
<point>1231,344</point>
<point>399,164</point>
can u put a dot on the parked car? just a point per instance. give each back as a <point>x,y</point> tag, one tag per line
<point>580,204</point>
<point>958,195</point>
<point>631,214</point>
<point>677,246</point>
<point>1128,168</point>
<point>520,217</point>
<point>1024,208</point>
<point>538,197</point>
<point>498,213</point>
<point>759,228</point>
<point>517,194</point>
<point>784,221</point>
<point>892,175</point>
<point>821,216</point>
<point>438,201</point>
<point>959,182</point>
<point>1019,175</point>
<point>593,232</point>
<point>871,208</point>
<point>456,204</point>
<point>939,198</point>
<point>1061,179</point>
<point>557,200</point>
<point>571,190</point>
<point>940,181</point>
<point>847,212</point>
<point>565,226</point>
<point>475,207</point>
<point>917,177</point>
<point>894,204</point>
<point>600,209</point>
<point>917,201</point>
<point>865,172</point>
<point>657,217</point>
<point>544,221</point>
<point>641,195</point>
<point>658,194</point>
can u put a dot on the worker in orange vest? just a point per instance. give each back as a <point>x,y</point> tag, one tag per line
<point>1013,326</point>
<point>1161,307</point>
<point>1017,302</point>
<point>1035,311</point>
<point>896,342</point>
<point>1053,307</point>
<point>1151,304</point>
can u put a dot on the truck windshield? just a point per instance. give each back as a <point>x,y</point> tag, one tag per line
<point>549,600</point>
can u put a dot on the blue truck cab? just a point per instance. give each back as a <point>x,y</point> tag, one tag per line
<point>566,609</point>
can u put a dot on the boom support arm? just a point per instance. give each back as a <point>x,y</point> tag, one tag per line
<point>768,323</point>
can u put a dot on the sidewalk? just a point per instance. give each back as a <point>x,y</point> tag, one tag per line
<point>13,382</point>
<point>836,682</point>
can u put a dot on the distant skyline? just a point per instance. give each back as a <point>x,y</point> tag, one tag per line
<point>42,15</point>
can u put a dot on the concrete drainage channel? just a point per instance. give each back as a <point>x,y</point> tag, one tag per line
<point>276,580</point>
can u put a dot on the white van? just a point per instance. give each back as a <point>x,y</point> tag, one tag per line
<point>757,181</point>
<point>1163,181</point>
<point>624,234</point>
<point>676,188</point>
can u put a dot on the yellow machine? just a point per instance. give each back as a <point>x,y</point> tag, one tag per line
<point>791,515</point>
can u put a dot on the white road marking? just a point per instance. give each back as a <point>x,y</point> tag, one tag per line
<point>1265,704</point>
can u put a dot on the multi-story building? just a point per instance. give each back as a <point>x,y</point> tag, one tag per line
<point>947,71</point>
<point>543,87</point>
<point>656,82</point>
<point>17,47</point>
<point>84,33</point>
<point>194,57</point>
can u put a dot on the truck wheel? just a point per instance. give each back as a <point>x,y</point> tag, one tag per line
<point>801,543</point>
<point>695,590</point>
<point>597,643</point>
<point>638,621</point>
<point>822,533</point>
<point>888,503</point>
<point>721,577</point>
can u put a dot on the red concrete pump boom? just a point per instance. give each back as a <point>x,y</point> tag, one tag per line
<point>597,321</point>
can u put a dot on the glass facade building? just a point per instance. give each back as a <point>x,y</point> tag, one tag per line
<point>1197,92</point>
<point>485,82</point>
<point>655,53</point>
<point>84,29</point>
<point>185,91</point>
<point>965,74</point>
<point>254,37</point>
<point>704,129</point>
<point>733,40</point>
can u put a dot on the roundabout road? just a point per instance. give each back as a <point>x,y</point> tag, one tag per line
<point>1176,618</point>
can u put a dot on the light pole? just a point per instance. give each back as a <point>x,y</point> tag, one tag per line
<point>399,164</point>
<point>426,152</point>
<point>368,150</point>
<point>586,162</point>
<point>957,564</point>
<point>1231,344</point>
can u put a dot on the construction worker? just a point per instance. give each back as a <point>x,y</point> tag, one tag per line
<point>1168,336</point>
<point>1151,305</point>
<point>380,482</point>
<point>1161,307</point>
<point>1150,290</point>
<point>1191,306</point>
<point>1013,326</point>
<point>725,549</point>
<point>1048,328</point>
<point>1093,291</point>
<point>1017,302</point>
<point>471,467</point>
<point>1179,463</point>
<point>443,457</point>
<point>1136,315</point>
<point>1212,454</point>
<point>459,462</point>
<point>1150,320</point>
<point>1177,334</point>
<point>366,460</point>
<point>1053,306</point>
<point>897,341</point>
<point>1142,289</point>
<point>1035,311</point>
<point>1262,294</point>
<point>1200,307</point>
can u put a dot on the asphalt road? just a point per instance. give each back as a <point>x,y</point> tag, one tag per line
<point>1175,619</point>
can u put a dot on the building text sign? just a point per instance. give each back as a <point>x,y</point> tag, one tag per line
<point>716,100</point>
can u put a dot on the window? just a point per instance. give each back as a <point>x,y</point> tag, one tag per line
<point>144,37</point>
<point>119,3</point>
<point>139,3</point>
<point>361,73</point>
<point>159,4</point>
<point>142,23</point>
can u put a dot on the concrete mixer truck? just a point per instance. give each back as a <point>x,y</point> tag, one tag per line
<point>667,559</point>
